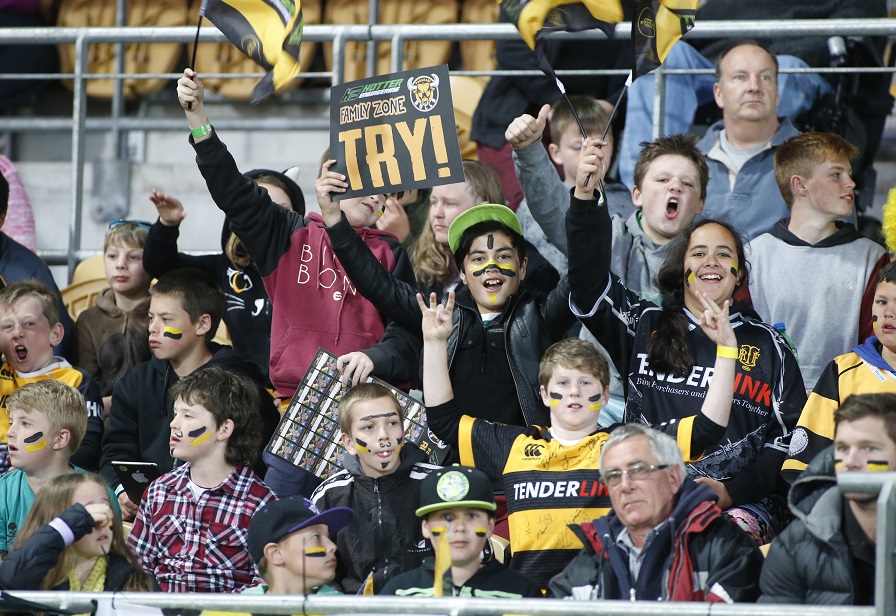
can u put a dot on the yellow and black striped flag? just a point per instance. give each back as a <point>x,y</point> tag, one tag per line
<point>656,25</point>
<point>535,17</point>
<point>268,31</point>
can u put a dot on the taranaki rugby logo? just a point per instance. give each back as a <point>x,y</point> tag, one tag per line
<point>424,92</point>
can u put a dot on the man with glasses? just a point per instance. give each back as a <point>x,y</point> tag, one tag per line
<point>665,539</point>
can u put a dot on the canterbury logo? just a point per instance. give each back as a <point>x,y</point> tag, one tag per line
<point>533,451</point>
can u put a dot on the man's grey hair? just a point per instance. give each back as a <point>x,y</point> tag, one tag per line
<point>664,446</point>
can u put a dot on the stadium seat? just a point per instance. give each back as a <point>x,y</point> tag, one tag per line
<point>418,54</point>
<point>465,94</point>
<point>90,268</point>
<point>152,58</point>
<point>79,296</point>
<point>478,55</point>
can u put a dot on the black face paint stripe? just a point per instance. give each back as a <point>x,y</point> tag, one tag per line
<point>34,437</point>
<point>196,432</point>
<point>491,241</point>
<point>502,270</point>
<point>555,395</point>
<point>594,398</point>
<point>361,443</point>
<point>369,417</point>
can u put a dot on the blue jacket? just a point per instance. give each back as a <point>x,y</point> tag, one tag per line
<point>755,204</point>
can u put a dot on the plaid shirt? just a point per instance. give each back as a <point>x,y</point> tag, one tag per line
<point>202,546</point>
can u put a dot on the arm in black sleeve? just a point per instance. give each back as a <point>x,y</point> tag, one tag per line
<point>90,451</point>
<point>120,441</point>
<point>27,566</point>
<point>397,299</point>
<point>589,236</point>
<point>160,254</point>
<point>396,357</point>
<point>444,421</point>
<point>758,480</point>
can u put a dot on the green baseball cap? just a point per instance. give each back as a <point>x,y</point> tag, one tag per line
<point>481,213</point>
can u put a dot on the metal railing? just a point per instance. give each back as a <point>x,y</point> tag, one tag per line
<point>339,35</point>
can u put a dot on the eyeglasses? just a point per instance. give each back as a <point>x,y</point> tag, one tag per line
<point>636,472</point>
<point>122,221</point>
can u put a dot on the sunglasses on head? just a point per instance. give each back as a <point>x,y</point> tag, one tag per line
<point>123,221</point>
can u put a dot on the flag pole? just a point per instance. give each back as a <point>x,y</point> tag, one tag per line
<point>628,82</point>
<point>195,47</point>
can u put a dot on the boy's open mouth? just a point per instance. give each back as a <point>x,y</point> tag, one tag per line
<point>21,352</point>
<point>672,208</point>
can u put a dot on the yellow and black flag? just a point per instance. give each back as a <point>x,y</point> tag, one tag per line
<point>268,31</point>
<point>656,25</point>
<point>535,17</point>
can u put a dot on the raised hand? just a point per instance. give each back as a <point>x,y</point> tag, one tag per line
<point>190,92</point>
<point>526,130</point>
<point>329,182</point>
<point>715,323</point>
<point>436,322</point>
<point>591,168</point>
<point>394,219</point>
<point>171,210</point>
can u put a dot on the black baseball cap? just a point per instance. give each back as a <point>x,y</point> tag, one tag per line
<point>279,518</point>
<point>456,486</point>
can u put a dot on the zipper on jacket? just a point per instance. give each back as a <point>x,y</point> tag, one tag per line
<point>379,525</point>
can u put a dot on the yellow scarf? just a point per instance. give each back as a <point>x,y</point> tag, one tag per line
<point>95,582</point>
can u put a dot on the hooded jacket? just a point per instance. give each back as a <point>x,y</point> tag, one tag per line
<point>848,263</point>
<point>810,561</point>
<point>142,410</point>
<point>315,305</point>
<point>695,555</point>
<point>108,337</point>
<point>492,581</point>
<point>247,309</point>
<point>385,536</point>
<point>861,371</point>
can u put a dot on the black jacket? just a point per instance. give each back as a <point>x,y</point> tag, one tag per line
<point>27,566</point>
<point>385,537</point>
<point>811,560</point>
<point>142,409</point>
<point>492,581</point>
<point>697,555</point>
<point>532,321</point>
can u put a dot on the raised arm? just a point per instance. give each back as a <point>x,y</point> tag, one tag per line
<point>441,413</point>
<point>716,325</point>
<point>160,253</point>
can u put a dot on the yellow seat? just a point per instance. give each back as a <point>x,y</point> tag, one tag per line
<point>417,54</point>
<point>226,58</point>
<point>90,268</point>
<point>79,296</point>
<point>478,55</point>
<point>499,547</point>
<point>139,57</point>
<point>465,95</point>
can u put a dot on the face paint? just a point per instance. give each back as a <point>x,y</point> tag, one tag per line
<point>491,242</point>
<point>492,298</point>
<point>361,445</point>
<point>595,403</point>
<point>874,324</point>
<point>689,276</point>
<point>876,466</point>
<point>480,531</point>
<point>734,270</point>
<point>172,332</point>
<point>506,269</point>
<point>316,552</point>
<point>199,435</point>
<point>369,417</point>
<point>555,398</point>
<point>36,442</point>
<point>437,530</point>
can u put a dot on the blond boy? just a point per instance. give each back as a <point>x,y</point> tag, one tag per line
<point>47,421</point>
<point>380,476</point>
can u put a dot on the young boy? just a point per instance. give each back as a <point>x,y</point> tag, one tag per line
<point>457,508</point>
<point>550,475</point>
<point>869,368</point>
<point>29,330</point>
<point>813,175</point>
<point>191,529</point>
<point>111,335</point>
<point>47,421</point>
<point>379,482</point>
<point>290,542</point>
<point>184,312</point>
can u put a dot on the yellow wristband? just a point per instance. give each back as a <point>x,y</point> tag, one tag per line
<point>727,352</point>
<point>201,131</point>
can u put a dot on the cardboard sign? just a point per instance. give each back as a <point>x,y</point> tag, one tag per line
<point>395,132</point>
<point>308,434</point>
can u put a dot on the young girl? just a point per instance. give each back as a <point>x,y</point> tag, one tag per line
<point>72,541</point>
<point>669,359</point>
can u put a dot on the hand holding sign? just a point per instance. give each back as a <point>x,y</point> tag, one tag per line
<point>328,183</point>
